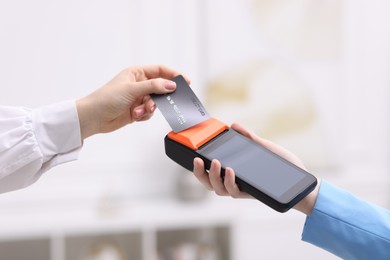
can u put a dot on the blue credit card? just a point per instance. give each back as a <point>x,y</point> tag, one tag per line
<point>182,109</point>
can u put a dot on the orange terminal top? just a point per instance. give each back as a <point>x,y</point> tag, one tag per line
<point>196,136</point>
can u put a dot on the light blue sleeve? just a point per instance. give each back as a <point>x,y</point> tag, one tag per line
<point>347,226</point>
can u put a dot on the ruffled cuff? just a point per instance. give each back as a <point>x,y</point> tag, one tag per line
<point>57,130</point>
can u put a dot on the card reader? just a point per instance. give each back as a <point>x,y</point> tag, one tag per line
<point>261,173</point>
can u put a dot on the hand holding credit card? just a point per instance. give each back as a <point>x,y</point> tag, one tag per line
<point>259,172</point>
<point>181,108</point>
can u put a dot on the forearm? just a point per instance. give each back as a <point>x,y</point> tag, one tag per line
<point>347,226</point>
<point>33,141</point>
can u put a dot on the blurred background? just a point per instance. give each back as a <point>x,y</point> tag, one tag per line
<point>312,76</point>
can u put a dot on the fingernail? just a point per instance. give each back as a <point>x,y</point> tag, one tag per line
<point>153,108</point>
<point>170,85</point>
<point>139,112</point>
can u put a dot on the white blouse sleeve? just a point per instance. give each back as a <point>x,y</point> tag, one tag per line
<point>34,140</point>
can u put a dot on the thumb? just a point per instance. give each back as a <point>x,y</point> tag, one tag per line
<point>244,131</point>
<point>153,86</point>
<point>249,134</point>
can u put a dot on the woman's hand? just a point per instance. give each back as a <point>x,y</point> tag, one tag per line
<point>124,100</point>
<point>227,186</point>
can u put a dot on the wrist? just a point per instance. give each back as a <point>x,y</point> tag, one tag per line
<point>306,205</point>
<point>87,118</point>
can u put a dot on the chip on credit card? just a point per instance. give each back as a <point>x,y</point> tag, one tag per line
<point>181,108</point>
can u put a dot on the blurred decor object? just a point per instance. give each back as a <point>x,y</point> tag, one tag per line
<point>108,206</point>
<point>111,199</point>
<point>105,250</point>
<point>208,252</point>
<point>305,29</point>
<point>189,251</point>
<point>273,101</point>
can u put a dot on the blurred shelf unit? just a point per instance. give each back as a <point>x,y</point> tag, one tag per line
<point>157,231</point>
<point>170,245</point>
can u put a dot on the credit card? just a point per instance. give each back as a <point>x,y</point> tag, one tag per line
<point>181,108</point>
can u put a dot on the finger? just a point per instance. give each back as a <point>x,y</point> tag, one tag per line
<point>144,111</point>
<point>201,174</point>
<point>266,143</point>
<point>146,116</point>
<point>139,112</point>
<point>277,149</point>
<point>161,71</point>
<point>149,104</point>
<point>245,131</point>
<point>152,86</point>
<point>216,180</point>
<point>231,185</point>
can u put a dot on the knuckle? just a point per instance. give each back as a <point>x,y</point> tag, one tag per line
<point>155,83</point>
